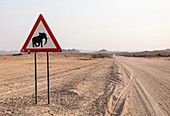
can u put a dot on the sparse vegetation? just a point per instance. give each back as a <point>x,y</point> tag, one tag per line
<point>156,53</point>
<point>17,54</point>
<point>82,56</point>
<point>101,55</point>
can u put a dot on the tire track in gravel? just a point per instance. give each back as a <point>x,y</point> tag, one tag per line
<point>157,86</point>
<point>153,95</point>
<point>147,99</point>
<point>121,93</point>
<point>147,88</point>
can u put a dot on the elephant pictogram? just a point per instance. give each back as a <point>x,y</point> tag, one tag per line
<point>38,40</point>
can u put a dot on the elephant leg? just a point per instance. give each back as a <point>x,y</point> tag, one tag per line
<point>34,45</point>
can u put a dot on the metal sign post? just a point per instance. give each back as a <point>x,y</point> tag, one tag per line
<point>35,43</point>
<point>35,58</point>
<point>48,79</point>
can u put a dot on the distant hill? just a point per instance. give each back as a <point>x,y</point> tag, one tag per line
<point>86,51</point>
<point>155,53</point>
<point>70,51</point>
<point>103,51</point>
<point>3,52</point>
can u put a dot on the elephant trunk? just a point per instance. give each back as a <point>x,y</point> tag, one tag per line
<point>45,40</point>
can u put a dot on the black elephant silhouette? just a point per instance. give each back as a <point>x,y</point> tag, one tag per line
<point>38,40</point>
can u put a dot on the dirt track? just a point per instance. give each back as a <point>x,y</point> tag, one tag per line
<point>83,86</point>
<point>149,90</point>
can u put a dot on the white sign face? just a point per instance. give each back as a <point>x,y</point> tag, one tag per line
<point>41,39</point>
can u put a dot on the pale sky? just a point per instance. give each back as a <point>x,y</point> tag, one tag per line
<point>116,25</point>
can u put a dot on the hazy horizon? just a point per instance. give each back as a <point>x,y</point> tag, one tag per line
<point>90,24</point>
<point>87,51</point>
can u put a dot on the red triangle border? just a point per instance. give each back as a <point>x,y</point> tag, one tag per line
<point>25,49</point>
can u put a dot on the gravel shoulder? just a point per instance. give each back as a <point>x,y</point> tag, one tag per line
<point>79,86</point>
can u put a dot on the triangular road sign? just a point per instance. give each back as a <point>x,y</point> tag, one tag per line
<point>41,39</point>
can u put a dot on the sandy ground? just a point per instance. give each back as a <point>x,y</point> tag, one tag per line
<point>148,92</point>
<point>79,85</point>
<point>84,86</point>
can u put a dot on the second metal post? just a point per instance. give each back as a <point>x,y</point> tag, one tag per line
<point>48,78</point>
<point>35,58</point>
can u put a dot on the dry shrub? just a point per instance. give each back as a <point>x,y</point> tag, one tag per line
<point>101,55</point>
<point>19,54</point>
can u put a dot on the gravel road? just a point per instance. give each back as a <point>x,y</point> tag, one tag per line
<point>149,90</point>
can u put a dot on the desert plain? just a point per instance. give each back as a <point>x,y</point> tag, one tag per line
<point>85,85</point>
